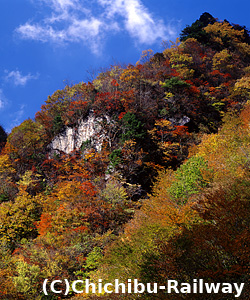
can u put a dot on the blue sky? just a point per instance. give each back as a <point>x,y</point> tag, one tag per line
<point>46,44</point>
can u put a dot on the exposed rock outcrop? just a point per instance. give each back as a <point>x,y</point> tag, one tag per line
<point>89,130</point>
<point>179,121</point>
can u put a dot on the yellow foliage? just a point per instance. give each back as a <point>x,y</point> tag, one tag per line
<point>5,165</point>
<point>170,46</point>
<point>17,219</point>
<point>163,123</point>
<point>182,63</point>
<point>244,48</point>
<point>145,56</point>
<point>162,129</point>
<point>130,74</point>
<point>243,83</point>
<point>26,179</point>
<point>114,192</point>
<point>221,61</point>
<point>168,95</point>
<point>228,151</point>
<point>89,154</point>
<point>218,31</point>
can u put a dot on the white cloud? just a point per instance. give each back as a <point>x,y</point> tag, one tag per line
<point>61,4</point>
<point>139,22</point>
<point>18,79</point>
<point>83,28</point>
<point>3,100</point>
<point>16,117</point>
<point>41,33</point>
<point>69,22</point>
<point>90,21</point>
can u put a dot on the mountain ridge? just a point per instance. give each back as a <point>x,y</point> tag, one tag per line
<point>143,172</point>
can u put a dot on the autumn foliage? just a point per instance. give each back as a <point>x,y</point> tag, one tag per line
<point>165,196</point>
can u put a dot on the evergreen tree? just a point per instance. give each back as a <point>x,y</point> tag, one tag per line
<point>3,137</point>
<point>196,29</point>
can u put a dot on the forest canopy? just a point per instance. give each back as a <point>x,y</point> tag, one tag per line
<point>168,162</point>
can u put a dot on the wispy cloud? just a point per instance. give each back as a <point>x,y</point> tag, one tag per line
<point>16,117</point>
<point>17,78</point>
<point>68,22</point>
<point>90,21</point>
<point>61,4</point>
<point>138,21</point>
<point>3,100</point>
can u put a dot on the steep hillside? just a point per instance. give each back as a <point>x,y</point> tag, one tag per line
<point>135,152</point>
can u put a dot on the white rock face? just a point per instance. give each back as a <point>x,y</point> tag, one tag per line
<point>71,139</point>
<point>179,121</point>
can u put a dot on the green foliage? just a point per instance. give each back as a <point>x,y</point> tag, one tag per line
<point>85,145</point>
<point>61,213</point>
<point>181,236</point>
<point>175,83</point>
<point>115,157</point>
<point>91,263</point>
<point>93,259</point>
<point>57,124</point>
<point>27,280</point>
<point>190,178</point>
<point>3,137</point>
<point>196,29</point>
<point>132,127</point>
<point>114,192</point>
<point>4,197</point>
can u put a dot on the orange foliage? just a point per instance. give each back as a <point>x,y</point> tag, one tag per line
<point>44,224</point>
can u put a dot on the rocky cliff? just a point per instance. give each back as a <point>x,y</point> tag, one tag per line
<point>89,130</point>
